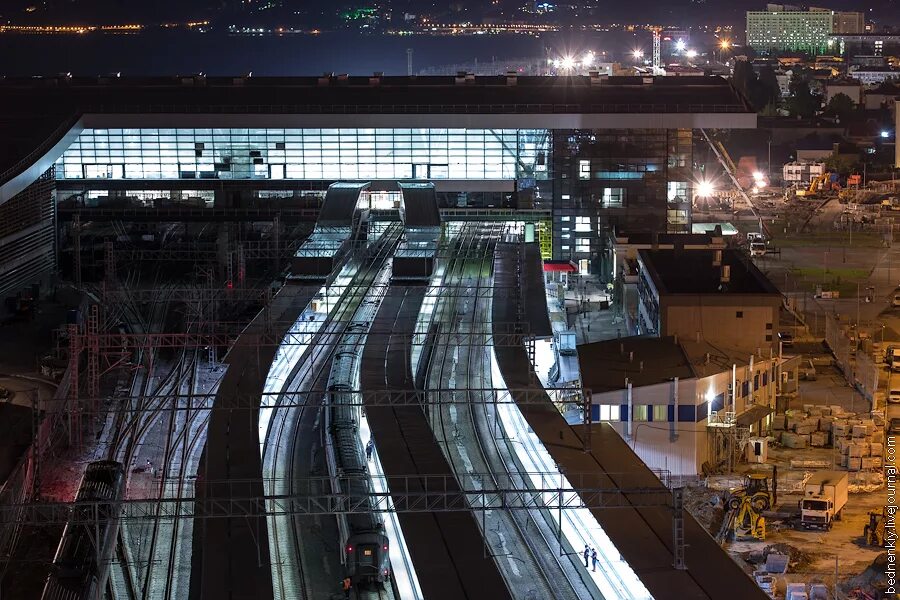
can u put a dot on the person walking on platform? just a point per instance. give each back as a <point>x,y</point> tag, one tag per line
<point>587,554</point>
<point>346,585</point>
<point>594,558</point>
<point>370,446</point>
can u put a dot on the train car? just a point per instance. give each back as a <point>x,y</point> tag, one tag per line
<point>366,555</point>
<point>81,564</point>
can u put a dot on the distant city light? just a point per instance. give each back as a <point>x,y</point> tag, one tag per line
<point>885,134</point>
<point>588,59</point>
<point>691,53</point>
<point>638,53</point>
<point>680,45</point>
<point>567,63</point>
<point>705,189</point>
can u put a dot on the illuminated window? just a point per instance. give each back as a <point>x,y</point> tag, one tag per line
<point>584,169</point>
<point>613,197</point>
<point>582,223</point>
<point>609,412</point>
<point>660,412</point>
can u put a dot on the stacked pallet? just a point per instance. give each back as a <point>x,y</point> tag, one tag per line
<point>857,438</point>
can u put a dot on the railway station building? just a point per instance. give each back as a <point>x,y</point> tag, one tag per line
<point>579,157</point>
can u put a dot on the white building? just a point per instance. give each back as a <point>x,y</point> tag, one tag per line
<point>672,399</point>
<point>874,76</point>
<point>802,172</point>
<point>785,27</point>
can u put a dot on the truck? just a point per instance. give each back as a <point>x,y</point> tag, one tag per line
<point>895,359</point>
<point>824,497</point>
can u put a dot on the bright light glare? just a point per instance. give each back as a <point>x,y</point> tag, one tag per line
<point>761,184</point>
<point>588,59</point>
<point>691,53</point>
<point>637,53</point>
<point>680,45</point>
<point>710,395</point>
<point>724,44</point>
<point>757,175</point>
<point>885,134</point>
<point>705,189</point>
<point>567,63</point>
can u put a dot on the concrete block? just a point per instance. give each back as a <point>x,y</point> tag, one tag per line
<point>842,445</point>
<point>819,591</point>
<point>877,437</point>
<point>793,440</point>
<point>844,460</point>
<point>870,462</point>
<point>854,464</point>
<point>778,422</point>
<point>855,450</point>
<point>826,410</point>
<point>795,591</point>
<point>825,423</point>
<point>791,422</point>
<point>870,424</point>
<point>876,449</point>
<point>806,428</point>
<point>836,409</point>
<point>859,431</point>
<point>840,428</point>
<point>815,411</point>
<point>818,439</point>
<point>866,449</point>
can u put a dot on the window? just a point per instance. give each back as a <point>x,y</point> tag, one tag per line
<point>582,223</point>
<point>739,314</point>
<point>582,245</point>
<point>584,169</point>
<point>640,412</point>
<point>613,197</point>
<point>608,412</point>
<point>768,327</point>
<point>660,412</point>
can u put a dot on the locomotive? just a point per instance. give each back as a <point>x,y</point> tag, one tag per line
<point>365,546</point>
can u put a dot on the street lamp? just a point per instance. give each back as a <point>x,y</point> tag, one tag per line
<point>705,189</point>
<point>637,54</point>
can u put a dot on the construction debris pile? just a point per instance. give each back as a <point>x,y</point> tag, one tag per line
<point>858,439</point>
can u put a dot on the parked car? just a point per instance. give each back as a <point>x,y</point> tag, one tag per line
<point>786,338</point>
<point>896,301</point>
<point>894,397</point>
<point>807,370</point>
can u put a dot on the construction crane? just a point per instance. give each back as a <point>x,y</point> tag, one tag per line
<point>657,54</point>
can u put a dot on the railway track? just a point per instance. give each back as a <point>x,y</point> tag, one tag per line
<point>282,459</point>
<point>469,441</point>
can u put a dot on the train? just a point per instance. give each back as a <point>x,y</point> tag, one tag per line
<point>366,549</point>
<point>81,564</point>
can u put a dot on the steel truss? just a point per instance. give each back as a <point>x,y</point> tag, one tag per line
<point>408,494</point>
<point>364,398</point>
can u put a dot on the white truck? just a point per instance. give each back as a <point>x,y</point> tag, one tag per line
<point>824,497</point>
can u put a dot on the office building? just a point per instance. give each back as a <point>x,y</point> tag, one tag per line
<point>784,27</point>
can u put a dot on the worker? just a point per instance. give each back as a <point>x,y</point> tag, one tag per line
<point>370,445</point>
<point>346,585</point>
<point>587,555</point>
<point>594,559</point>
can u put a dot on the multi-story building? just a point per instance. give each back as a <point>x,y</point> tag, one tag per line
<point>785,27</point>
<point>717,296</point>
<point>849,23</point>
<point>582,155</point>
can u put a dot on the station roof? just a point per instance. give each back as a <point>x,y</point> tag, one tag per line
<point>695,272</point>
<point>38,112</point>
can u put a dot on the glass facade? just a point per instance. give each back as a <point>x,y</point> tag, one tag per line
<point>618,180</point>
<point>307,154</point>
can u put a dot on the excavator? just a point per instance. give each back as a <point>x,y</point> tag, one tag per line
<point>823,183</point>
<point>873,532</point>
<point>746,504</point>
